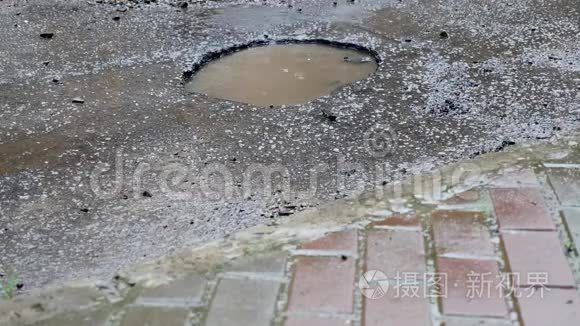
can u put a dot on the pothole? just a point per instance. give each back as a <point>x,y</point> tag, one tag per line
<point>282,73</point>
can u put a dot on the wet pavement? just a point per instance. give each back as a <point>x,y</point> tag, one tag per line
<point>91,86</point>
<point>454,246</point>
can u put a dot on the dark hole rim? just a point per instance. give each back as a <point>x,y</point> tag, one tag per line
<point>214,55</point>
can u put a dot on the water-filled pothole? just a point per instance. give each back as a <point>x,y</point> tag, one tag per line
<point>278,74</point>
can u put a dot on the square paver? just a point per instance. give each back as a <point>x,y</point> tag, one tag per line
<point>402,304</point>
<point>458,233</point>
<point>323,284</point>
<point>557,307</point>
<point>521,209</point>
<point>243,302</point>
<point>394,252</point>
<point>566,184</point>
<point>532,255</point>
<point>155,316</point>
<point>470,287</point>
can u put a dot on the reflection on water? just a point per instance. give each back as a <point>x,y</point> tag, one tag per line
<point>281,74</point>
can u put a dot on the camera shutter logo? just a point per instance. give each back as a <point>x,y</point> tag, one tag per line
<point>373,284</point>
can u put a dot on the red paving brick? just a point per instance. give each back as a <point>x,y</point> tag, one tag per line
<point>468,292</point>
<point>394,252</point>
<point>521,209</point>
<point>461,233</point>
<point>341,241</point>
<point>409,220</point>
<point>557,307</point>
<point>323,284</point>
<point>531,253</point>
<point>402,307</point>
<point>315,321</point>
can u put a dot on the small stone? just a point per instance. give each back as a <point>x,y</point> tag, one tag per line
<point>116,18</point>
<point>147,194</point>
<point>84,210</point>
<point>78,100</point>
<point>443,35</point>
<point>282,211</point>
<point>47,36</point>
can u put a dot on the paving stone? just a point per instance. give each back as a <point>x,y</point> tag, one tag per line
<point>243,302</point>
<point>187,291</point>
<point>340,241</point>
<point>461,234</point>
<point>566,184</point>
<point>521,209</point>
<point>316,321</point>
<point>466,321</point>
<point>84,318</point>
<point>517,179</point>
<point>530,253</point>
<point>572,216</point>
<point>395,252</point>
<point>155,316</point>
<point>274,263</point>
<point>558,307</point>
<point>464,198</point>
<point>471,287</point>
<point>323,284</point>
<point>408,305</point>
<point>407,220</point>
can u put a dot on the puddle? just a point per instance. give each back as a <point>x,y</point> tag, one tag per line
<point>281,74</point>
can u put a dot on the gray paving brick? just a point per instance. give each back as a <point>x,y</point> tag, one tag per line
<point>155,316</point>
<point>274,263</point>
<point>243,302</point>
<point>186,291</point>
<point>572,216</point>
<point>566,184</point>
<point>84,318</point>
<point>516,179</point>
<point>450,321</point>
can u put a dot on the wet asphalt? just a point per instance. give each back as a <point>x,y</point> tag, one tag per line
<point>92,92</point>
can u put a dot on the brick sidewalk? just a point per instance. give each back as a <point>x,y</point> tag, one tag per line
<point>495,255</point>
<point>499,254</point>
